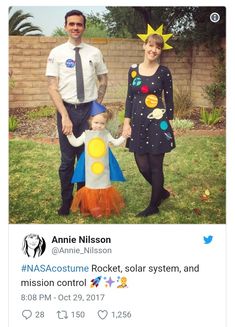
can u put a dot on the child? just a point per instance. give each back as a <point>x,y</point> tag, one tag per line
<point>97,166</point>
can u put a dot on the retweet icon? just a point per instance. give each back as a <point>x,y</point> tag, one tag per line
<point>207,239</point>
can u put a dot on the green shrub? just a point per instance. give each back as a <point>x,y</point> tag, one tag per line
<point>182,124</point>
<point>42,112</point>
<point>11,83</point>
<point>121,116</point>
<point>114,124</point>
<point>182,103</point>
<point>13,123</point>
<point>215,92</point>
<point>211,117</point>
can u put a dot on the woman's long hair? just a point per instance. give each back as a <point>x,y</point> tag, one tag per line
<point>38,250</point>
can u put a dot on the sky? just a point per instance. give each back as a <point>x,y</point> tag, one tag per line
<point>48,18</point>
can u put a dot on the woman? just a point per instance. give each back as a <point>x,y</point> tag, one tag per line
<point>33,245</point>
<point>147,119</point>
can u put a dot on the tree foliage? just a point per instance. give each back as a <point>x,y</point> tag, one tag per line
<point>124,21</point>
<point>95,27</point>
<point>202,30</point>
<point>59,31</point>
<point>190,25</point>
<point>18,24</point>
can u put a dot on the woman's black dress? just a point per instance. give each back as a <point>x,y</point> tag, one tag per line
<point>151,130</point>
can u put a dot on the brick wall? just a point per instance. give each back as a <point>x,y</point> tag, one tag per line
<point>28,57</point>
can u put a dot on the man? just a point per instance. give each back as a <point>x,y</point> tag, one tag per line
<point>73,108</point>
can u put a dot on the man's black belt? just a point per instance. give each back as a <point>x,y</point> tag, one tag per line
<point>71,105</point>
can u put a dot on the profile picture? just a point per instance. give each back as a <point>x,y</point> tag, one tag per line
<point>33,245</point>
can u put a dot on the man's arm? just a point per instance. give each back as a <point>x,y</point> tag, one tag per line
<point>103,81</point>
<point>67,125</point>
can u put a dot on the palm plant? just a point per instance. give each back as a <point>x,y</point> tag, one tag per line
<point>59,31</point>
<point>18,25</point>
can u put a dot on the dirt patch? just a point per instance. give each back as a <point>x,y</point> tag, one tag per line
<point>44,127</point>
<point>201,132</point>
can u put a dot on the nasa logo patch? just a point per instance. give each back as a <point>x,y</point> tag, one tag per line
<point>70,63</point>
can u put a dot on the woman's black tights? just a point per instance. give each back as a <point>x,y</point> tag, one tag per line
<point>151,167</point>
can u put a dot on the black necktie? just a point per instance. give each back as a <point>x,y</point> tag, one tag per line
<point>79,75</point>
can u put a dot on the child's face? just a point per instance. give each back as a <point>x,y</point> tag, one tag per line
<point>98,123</point>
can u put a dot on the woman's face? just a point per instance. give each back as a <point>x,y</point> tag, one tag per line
<point>152,50</point>
<point>32,241</point>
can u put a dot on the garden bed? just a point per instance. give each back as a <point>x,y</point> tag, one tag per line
<point>32,126</point>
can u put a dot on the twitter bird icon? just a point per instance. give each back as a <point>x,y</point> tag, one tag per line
<point>207,239</point>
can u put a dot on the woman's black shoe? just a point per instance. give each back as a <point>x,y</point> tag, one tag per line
<point>148,212</point>
<point>165,194</point>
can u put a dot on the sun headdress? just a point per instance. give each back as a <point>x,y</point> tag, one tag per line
<point>158,31</point>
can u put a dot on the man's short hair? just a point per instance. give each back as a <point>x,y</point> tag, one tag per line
<point>75,13</point>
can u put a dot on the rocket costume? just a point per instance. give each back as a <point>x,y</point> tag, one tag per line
<point>97,166</point>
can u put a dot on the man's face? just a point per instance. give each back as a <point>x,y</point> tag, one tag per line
<point>75,27</point>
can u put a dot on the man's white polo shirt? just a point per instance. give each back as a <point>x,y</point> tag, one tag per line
<point>61,63</point>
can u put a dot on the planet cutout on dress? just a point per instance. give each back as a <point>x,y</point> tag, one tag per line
<point>163,125</point>
<point>133,74</point>
<point>144,89</point>
<point>156,113</point>
<point>137,81</point>
<point>151,101</point>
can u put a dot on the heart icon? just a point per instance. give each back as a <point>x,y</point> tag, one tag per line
<point>102,314</point>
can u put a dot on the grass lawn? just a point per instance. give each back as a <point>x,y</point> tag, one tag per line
<point>194,174</point>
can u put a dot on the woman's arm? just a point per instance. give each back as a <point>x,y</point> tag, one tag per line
<point>129,96</point>
<point>76,141</point>
<point>168,94</point>
<point>126,132</point>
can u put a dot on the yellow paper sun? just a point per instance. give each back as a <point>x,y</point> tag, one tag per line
<point>158,31</point>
